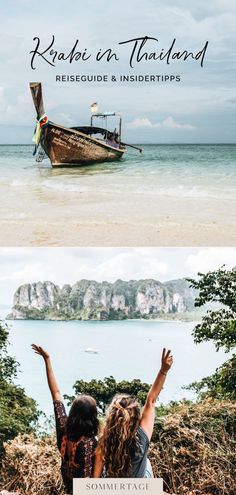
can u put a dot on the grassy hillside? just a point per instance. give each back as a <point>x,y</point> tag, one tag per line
<point>193,449</point>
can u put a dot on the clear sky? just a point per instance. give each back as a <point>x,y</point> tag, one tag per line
<point>199,108</point>
<point>68,265</point>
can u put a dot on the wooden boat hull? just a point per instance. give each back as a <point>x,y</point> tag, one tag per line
<point>69,147</point>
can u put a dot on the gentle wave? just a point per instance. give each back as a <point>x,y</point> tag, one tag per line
<point>175,171</point>
<point>177,191</point>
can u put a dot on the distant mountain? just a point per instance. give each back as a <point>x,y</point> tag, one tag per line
<point>90,300</point>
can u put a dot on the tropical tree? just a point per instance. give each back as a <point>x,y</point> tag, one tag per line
<point>18,412</point>
<point>219,326</point>
<point>104,390</point>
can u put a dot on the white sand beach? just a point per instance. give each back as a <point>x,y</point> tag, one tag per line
<point>171,195</point>
<point>41,217</point>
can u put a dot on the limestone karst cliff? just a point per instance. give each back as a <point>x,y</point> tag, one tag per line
<point>88,299</point>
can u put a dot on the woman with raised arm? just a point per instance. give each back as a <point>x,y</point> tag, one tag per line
<point>123,446</point>
<point>76,433</point>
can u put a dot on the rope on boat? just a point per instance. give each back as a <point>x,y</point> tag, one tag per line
<point>40,154</point>
<point>40,124</point>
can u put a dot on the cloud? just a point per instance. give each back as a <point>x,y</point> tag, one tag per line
<point>167,123</point>
<point>66,118</point>
<point>68,265</point>
<point>211,259</point>
<point>201,94</point>
<point>137,123</point>
<point>28,273</point>
<point>127,265</point>
<point>15,108</point>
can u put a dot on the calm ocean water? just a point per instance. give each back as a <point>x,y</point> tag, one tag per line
<point>191,171</point>
<point>126,350</point>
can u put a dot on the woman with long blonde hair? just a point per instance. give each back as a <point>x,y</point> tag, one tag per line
<point>123,446</point>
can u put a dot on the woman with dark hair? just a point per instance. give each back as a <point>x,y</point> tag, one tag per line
<point>76,433</point>
<point>123,446</point>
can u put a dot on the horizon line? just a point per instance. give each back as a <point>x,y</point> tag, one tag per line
<point>145,143</point>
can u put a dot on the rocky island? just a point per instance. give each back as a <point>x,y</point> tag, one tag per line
<point>88,299</point>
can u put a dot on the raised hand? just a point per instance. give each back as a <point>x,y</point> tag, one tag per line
<point>39,350</point>
<point>148,414</point>
<point>166,360</point>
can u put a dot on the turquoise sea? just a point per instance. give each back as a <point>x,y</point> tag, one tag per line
<point>194,171</point>
<point>165,195</point>
<point>126,350</point>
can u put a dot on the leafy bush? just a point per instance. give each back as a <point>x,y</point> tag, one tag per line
<point>104,390</point>
<point>18,413</point>
<point>218,326</point>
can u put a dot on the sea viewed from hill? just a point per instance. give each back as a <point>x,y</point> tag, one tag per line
<point>125,349</point>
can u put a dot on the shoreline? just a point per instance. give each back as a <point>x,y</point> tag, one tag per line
<point>148,320</point>
<point>146,202</point>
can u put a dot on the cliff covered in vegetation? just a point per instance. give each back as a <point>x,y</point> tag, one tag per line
<point>88,299</point>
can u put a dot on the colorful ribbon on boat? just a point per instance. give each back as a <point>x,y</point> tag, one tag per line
<point>40,124</point>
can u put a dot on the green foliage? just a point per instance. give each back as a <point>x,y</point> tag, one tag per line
<point>219,326</point>
<point>8,366</point>
<point>32,313</point>
<point>104,390</point>
<point>88,299</point>
<point>117,314</point>
<point>18,413</point>
<point>220,385</point>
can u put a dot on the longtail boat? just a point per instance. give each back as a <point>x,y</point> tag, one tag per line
<point>74,146</point>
